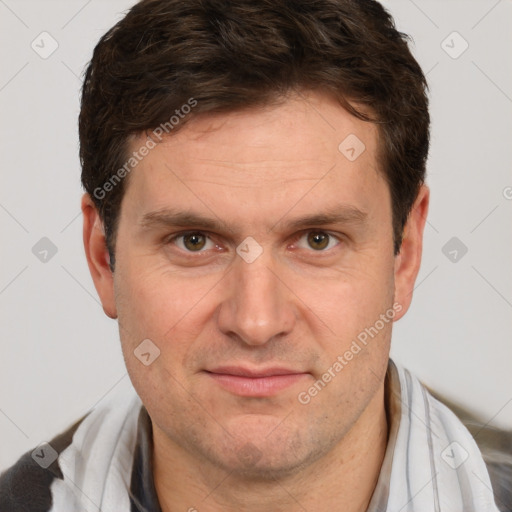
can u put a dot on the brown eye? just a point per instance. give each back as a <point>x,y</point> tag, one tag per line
<point>197,242</point>
<point>194,241</point>
<point>318,240</point>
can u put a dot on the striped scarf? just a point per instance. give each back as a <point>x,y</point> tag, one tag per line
<point>103,462</point>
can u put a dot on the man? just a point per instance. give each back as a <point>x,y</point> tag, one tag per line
<point>255,205</point>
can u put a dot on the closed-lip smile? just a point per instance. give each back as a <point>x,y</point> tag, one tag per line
<point>255,382</point>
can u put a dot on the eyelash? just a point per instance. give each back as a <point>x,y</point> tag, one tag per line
<point>171,239</point>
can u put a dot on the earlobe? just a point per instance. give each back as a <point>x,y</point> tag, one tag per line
<point>408,261</point>
<point>97,255</point>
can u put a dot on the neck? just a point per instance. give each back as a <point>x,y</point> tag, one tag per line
<point>343,479</point>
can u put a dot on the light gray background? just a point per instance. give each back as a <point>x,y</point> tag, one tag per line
<point>60,354</point>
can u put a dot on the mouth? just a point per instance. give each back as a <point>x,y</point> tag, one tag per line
<point>255,382</point>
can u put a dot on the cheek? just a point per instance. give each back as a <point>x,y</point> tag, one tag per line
<point>348,311</point>
<point>169,310</point>
<point>156,308</point>
<point>352,297</point>
<point>155,301</point>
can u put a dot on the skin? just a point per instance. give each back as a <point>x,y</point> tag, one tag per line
<point>297,305</point>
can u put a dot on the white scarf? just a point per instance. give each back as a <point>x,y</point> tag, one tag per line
<point>431,464</point>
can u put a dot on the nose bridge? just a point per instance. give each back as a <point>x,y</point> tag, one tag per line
<point>257,307</point>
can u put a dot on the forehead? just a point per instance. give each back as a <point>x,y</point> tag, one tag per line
<point>305,150</point>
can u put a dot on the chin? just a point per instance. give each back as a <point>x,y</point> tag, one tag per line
<point>265,456</point>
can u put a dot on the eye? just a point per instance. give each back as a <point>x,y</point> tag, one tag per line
<point>197,241</point>
<point>319,241</point>
<point>192,241</point>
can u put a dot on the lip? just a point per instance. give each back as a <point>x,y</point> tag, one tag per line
<point>255,382</point>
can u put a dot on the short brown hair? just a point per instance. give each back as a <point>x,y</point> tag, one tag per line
<point>230,55</point>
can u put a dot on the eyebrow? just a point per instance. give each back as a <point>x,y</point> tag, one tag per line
<point>168,217</point>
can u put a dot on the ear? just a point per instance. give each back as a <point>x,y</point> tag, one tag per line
<point>408,260</point>
<point>97,255</point>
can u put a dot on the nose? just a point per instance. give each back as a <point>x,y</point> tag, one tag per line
<point>258,306</point>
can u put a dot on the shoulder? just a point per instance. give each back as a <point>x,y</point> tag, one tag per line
<point>97,451</point>
<point>25,486</point>
<point>495,446</point>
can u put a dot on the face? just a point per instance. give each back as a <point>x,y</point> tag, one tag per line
<point>257,256</point>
